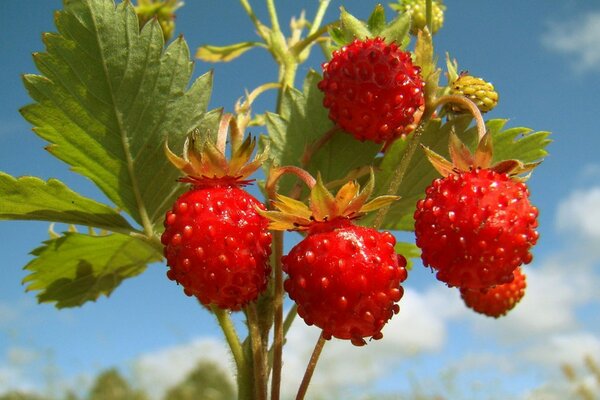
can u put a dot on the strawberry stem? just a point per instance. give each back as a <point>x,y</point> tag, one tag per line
<point>278,326</point>
<point>468,104</point>
<point>277,172</point>
<point>428,15</point>
<point>310,369</point>
<point>258,353</point>
<point>232,339</point>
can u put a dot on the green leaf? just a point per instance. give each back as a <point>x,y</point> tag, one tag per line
<point>107,98</point>
<point>210,53</point>
<point>376,21</point>
<point>30,198</point>
<point>397,31</point>
<point>302,122</point>
<point>409,251</point>
<point>353,27</point>
<point>516,143</point>
<point>76,268</point>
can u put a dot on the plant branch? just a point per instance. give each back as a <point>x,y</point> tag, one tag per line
<point>248,8</point>
<point>469,105</point>
<point>231,336</point>
<point>273,16</point>
<point>323,4</point>
<point>310,369</point>
<point>428,15</point>
<point>258,353</point>
<point>278,328</point>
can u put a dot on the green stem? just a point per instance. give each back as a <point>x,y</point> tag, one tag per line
<point>231,336</point>
<point>258,353</point>
<point>248,8</point>
<point>310,369</point>
<point>289,318</point>
<point>278,328</point>
<point>323,4</point>
<point>273,16</point>
<point>428,15</point>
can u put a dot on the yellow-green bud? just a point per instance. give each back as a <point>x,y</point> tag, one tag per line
<point>416,9</point>
<point>482,93</point>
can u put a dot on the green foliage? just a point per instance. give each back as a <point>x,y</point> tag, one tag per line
<point>302,122</point>
<point>206,382</point>
<point>30,198</point>
<point>409,250</point>
<point>110,385</point>
<point>75,268</point>
<point>107,98</point>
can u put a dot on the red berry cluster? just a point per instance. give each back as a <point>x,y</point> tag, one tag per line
<point>476,228</point>
<point>372,89</point>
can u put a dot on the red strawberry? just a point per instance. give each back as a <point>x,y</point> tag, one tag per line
<point>372,89</point>
<point>475,228</point>
<point>345,278</point>
<point>496,301</point>
<point>216,243</point>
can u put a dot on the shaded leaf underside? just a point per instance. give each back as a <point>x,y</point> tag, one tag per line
<point>76,268</point>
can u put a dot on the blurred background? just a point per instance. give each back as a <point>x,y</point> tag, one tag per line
<point>150,341</point>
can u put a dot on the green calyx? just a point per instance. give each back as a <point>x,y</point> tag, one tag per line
<point>351,28</point>
<point>350,202</point>
<point>203,160</point>
<point>462,159</point>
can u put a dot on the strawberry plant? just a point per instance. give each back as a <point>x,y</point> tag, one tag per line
<point>113,99</point>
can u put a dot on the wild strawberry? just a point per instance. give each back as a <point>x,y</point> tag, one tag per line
<point>345,278</point>
<point>216,244</point>
<point>498,300</point>
<point>372,89</point>
<point>482,93</point>
<point>475,227</point>
<point>416,9</point>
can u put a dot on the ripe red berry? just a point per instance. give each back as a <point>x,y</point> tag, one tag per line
<point>217,246</point>
<point>475,228</point>
<point>372,89</point>
<point>496,301</point>
<point>345,279</point>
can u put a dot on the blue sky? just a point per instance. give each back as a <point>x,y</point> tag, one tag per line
<point>544,59</point>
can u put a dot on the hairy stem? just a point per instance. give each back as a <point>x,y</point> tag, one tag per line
<point>231,336</point>
<point>428,15</point>
<point>278,329</point>
<point>258,353</point>
<point>310,369</point>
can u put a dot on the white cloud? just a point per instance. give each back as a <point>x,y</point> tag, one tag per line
<point>157,371</point>
<point>571,348</point>
<point>344,369</point>
<point>579,214</point>
<point>578,38</point>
